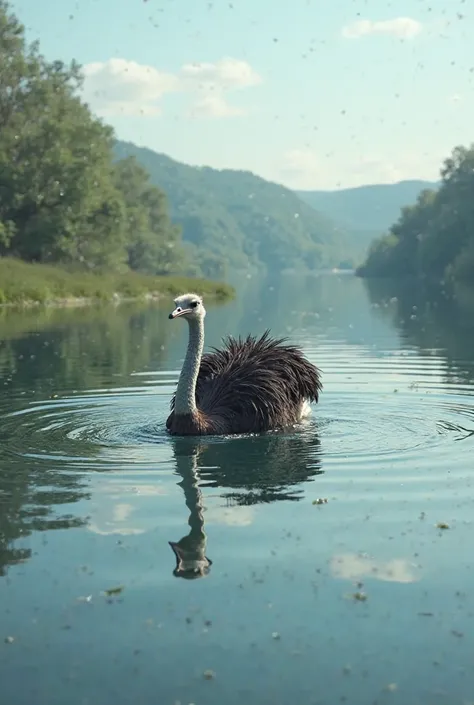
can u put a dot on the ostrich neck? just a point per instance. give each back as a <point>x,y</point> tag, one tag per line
<point>185,401</point>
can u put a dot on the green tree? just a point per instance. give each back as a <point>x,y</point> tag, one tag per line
<point>152,241</point>
<point>57,198</point>
<point>435,236</point>
<point>62,198</point>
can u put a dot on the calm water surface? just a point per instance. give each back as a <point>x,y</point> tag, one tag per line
<point>361,599</point>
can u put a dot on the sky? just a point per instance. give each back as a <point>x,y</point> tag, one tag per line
<point>313,94</point>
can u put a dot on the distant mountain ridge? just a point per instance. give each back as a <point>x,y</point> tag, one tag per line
<point>238,218</point>
<point>372,208</point>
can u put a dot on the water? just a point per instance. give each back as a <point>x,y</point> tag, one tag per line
<point>359,599</point>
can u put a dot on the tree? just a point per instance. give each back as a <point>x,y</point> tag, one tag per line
<point>62,198</point>
<point>152,241</point>
<point>57,192</point>
<point>435,236</point>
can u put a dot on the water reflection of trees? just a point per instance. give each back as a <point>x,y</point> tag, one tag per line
<point>81,349</point>
<point>42,352</point>
<point>430,318</point>
<point>248,470</point>
<point>31,499</point>
<point>311,303</point>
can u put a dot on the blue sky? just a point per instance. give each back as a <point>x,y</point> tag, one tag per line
<point>309,93</point>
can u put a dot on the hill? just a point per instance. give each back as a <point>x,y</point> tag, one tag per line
<point>239,219</point>
<point>370,210</point>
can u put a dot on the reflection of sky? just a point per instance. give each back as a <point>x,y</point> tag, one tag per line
<point>130,508</point>
<point>352,566</point>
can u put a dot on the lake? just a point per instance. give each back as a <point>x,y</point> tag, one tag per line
<point>331,563</point>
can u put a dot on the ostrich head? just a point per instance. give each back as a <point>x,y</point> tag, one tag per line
<point>190,306</point>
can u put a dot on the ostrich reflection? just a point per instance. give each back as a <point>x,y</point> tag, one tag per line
<point>250,470</point>
<point>190,551</point>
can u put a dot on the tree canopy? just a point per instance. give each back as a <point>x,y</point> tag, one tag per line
<point>62,197</point>
<point>434,237</point>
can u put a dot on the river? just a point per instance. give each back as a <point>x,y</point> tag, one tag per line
<point>336,558</point>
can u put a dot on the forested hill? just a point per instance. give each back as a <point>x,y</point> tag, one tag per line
<point>372,208</point>
<point>238,218</point>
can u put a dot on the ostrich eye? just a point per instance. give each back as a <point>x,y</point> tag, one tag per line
<point>194,304</point>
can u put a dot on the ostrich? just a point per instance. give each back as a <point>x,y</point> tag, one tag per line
<point>249,386</point>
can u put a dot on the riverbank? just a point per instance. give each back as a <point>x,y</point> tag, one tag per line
<point>26,284</point>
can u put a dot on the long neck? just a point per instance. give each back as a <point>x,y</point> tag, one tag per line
<point>185,401</point>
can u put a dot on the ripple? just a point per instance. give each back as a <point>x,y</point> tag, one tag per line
<point>371,426</point>
<point>91,430</point>
<point>125,426</point>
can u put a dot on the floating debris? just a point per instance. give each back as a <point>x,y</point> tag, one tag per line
<point>84,598</point>
<point>359,596</point>
<point>275,635</point>
<point>320,500</point>
<point>114,591</point>
<point>9,639</point>
<point>209,675</point>
<point>442,525</point>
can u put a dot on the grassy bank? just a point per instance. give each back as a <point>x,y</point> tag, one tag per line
<point>26,284</point>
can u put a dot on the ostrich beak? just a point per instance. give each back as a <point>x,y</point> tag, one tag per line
<point>179,312</point>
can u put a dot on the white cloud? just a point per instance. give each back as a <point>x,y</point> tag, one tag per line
<point>400,27</point>
<point>212,80</point>
<point>214,106</point>
<point>225,74</point>
<point>121,87</point>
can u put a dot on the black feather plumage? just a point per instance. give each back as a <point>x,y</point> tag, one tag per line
<point>253,385</point>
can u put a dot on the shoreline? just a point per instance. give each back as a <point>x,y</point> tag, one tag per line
<point>29,285</point>
<point>82,301</point>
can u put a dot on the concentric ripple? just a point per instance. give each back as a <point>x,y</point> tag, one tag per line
<point>389,407</point>
<point>89,430</point>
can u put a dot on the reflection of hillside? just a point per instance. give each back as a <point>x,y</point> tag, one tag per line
<point>43,352</point>
<point>428,319</point>
<point>80,348</point>
<point>287,304</point>
<point>29,496</point>
<point>317,303</point>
